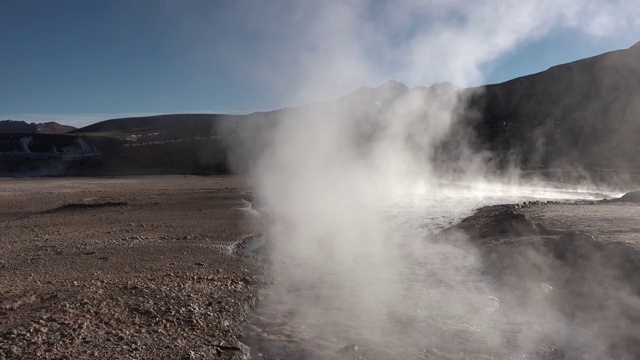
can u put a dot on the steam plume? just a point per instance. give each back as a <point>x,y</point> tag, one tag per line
<point>24,144</point>
<point>333,171</point>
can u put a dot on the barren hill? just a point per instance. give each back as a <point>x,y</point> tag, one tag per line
<point>15,126</point>
<point>582,115</point>
<point>585,113</point>
<point>163,126</point>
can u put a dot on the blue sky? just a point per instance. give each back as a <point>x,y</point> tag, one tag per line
<point>82,61</point>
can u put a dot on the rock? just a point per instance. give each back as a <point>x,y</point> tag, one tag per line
<point>633,196</point>
<point>349,349</point>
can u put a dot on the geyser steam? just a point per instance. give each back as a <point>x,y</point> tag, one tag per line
<point>24,144</point>
<point>332,171</point>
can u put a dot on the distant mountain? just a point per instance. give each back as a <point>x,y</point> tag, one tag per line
<point>581,114</point>
<point>15,126</point>
<point>379,96</point>
<point>177,143</point>
<point>177,125</point>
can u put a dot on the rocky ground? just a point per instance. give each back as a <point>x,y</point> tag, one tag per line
<point>578,262</point>
<point>146,267</point>
<point>156,267</point>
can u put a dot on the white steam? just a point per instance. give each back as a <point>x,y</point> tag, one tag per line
<point>336,175</point>
<point>318,49</point>
<point>24,144</point>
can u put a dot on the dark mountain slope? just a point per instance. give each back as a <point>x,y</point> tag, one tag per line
<point>174,125</point>
<point>581,114</point>
<point>15,126</point>
<point>177,143</point>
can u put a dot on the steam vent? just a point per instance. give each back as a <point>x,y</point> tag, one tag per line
<point>321,180</point>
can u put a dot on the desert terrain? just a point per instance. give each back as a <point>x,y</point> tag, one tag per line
<point>578,263</point>
<point>155,267</point>
<point>137,267</point>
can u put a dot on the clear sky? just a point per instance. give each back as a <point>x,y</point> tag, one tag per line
<point>81,61</point>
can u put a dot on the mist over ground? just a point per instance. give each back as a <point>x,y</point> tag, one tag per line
<point>400,210</point>
<point>337,180</point>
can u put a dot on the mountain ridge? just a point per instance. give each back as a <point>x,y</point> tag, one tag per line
<point>583,114</point>
<point>19,126</point>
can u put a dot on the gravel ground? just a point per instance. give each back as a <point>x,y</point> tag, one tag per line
<point>136,267</point>
<point>580,262</point>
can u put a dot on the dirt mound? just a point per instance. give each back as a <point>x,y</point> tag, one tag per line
<point>82,206</point>
<point>579,261</point>
<point>633,196</point>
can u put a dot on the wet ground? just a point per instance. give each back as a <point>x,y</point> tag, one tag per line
<point>423,296</point>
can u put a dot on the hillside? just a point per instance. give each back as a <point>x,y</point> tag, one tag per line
<point>574,121</point>
<point>581,114</point>
<point>177,143</point>
<point>15,126</point>
<point>160,126</point>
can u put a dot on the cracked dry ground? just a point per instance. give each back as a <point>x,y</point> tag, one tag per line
<point>137,267</point>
